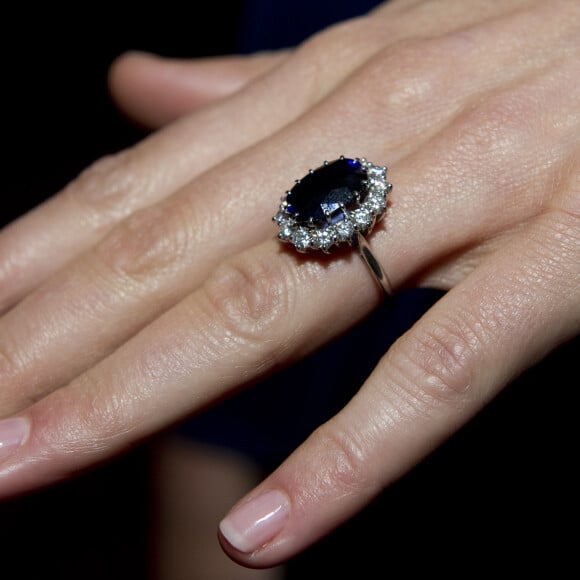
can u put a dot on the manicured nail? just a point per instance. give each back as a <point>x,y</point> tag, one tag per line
<point>252,524</point>
<point>12,434</point>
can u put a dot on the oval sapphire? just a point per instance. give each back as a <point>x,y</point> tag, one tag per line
<point>319,198</point>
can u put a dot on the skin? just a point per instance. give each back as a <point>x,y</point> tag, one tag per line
<point>153,285</point>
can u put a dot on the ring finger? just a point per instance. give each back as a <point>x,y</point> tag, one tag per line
<point>163,252</point>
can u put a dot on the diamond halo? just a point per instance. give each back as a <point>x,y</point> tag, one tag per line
<point>333,204</point>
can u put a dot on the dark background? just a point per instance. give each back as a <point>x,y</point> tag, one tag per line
<point>498,496</point>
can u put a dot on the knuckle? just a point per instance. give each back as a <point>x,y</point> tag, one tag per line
<point>9,365</point>
<point>418,67</point>
<point>17,392</point>
<point>149,242</point>
<point>509,124</point>
<point>409,76</point>
<point>109,417</point>
<point>435,362</point>
<point>96,422</point>
<point>401,83</point>
<point>554,255</point>
<point>105,188</point>
<point>251,296</point>
<point>568,202</point>
<point>346,469</point>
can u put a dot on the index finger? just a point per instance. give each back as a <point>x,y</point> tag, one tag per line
<point>469,345</point>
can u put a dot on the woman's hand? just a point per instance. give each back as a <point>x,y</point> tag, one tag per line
<point>153,285</point>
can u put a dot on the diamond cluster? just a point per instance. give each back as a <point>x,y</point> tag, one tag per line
<point>332,203</point>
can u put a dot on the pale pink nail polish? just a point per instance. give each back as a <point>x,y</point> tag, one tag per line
<point>13,432</point>
<point>254,523</point>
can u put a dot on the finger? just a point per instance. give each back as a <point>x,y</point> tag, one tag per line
<point>164,252</point>
<point>154,91</point>
<point>419,197</point>
<point>50,236</point>
<point>268,307</point>
<point>34,247</point>
<point>475,340</point>
<point>68,224</point>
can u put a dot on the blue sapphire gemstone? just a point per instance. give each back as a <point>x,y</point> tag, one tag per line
<point>319,197</point>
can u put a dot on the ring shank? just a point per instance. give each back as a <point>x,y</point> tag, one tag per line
<point>372,263</point>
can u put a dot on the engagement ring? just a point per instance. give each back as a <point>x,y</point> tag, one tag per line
<point>337,203</point>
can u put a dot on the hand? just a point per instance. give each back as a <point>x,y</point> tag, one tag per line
<point>152,286</point>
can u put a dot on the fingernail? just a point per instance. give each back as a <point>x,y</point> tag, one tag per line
<point>252,524</point>
<point>12,434</point>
